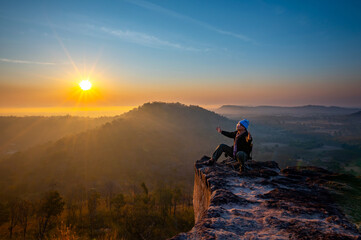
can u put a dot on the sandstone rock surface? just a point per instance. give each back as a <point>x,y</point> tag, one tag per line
<point>264,203</point>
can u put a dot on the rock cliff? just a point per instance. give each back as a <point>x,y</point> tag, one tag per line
<point>264,203</point>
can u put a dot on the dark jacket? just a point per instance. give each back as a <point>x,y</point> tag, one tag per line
<point>244,142</point>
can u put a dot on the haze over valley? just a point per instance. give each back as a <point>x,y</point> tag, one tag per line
<point>111,110</point>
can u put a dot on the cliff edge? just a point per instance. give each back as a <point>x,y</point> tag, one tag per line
<point>264,203</point>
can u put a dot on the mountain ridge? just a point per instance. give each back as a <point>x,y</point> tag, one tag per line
<point>306,110</point>
<point>168,133</point>
<point>289,107</point>
<point>356,114</point>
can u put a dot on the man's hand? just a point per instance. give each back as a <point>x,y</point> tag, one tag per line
<point>219,129</point>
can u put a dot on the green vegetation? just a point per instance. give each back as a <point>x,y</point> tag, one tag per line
<point>346,191</point>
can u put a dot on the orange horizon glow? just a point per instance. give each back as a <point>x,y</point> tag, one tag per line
<point>61,111</point>
<point>80,59</point>
<point>63,91</point>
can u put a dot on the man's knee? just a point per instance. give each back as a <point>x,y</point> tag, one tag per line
<point>241,156</point>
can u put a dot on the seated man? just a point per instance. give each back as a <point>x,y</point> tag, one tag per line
<point>242,144</point>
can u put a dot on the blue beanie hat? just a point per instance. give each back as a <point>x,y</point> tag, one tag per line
<point>244,123</point>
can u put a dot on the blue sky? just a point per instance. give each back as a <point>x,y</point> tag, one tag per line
<point>212,50</point>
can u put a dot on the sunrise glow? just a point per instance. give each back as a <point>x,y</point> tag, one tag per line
<point>283,53</point>
<point>85,85</point>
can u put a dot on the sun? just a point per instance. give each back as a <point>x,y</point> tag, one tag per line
<point>85,85</point>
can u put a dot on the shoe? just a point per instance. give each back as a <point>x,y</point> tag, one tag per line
<point>210,162</point>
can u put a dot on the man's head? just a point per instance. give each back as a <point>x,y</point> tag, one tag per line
<point>242,125</point>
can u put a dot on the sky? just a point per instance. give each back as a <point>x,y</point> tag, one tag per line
<point>208,53</point>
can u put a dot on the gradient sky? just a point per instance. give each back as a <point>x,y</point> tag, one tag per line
<point>195,52</point>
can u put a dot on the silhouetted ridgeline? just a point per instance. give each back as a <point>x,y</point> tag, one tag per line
<point>152,143</point>
<point>356,114</point>
<point>308,110</point>
<point>266,203</point>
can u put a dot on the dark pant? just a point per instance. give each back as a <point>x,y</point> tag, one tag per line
<point>223,148</point>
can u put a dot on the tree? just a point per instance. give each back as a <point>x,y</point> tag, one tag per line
<point>145,189</point>
<point>71,209</point>
<point>4,214</point>
<point>164,198</point>
<point>93,200</point>
<point>145,196</point>
<point>177,194</point>
<point>118,203</point>
<point>13,206</point>
<point>109,189</point>
<point>25,211</point>
<point>51,206</point>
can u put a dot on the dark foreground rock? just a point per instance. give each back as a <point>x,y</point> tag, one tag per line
<point>264,203</point>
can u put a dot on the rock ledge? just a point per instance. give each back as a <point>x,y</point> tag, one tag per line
<point>264,203</point>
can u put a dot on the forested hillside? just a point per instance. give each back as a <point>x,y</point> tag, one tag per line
<point>20,133</point>
<point>155,142</point>
<point>130,178</point>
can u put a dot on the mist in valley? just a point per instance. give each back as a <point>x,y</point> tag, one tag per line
<point>142,161</point>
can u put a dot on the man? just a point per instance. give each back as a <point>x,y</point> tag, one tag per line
<point>242,144</point>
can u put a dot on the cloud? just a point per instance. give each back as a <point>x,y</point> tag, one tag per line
<point>25,61</point>
<point>145,39</point>
<point>171,13</point>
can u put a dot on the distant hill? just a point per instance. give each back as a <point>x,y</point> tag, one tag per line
<point>20,133</point>
<point>153,143</point>
<point>356,114</point>
<point>308,110</point>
